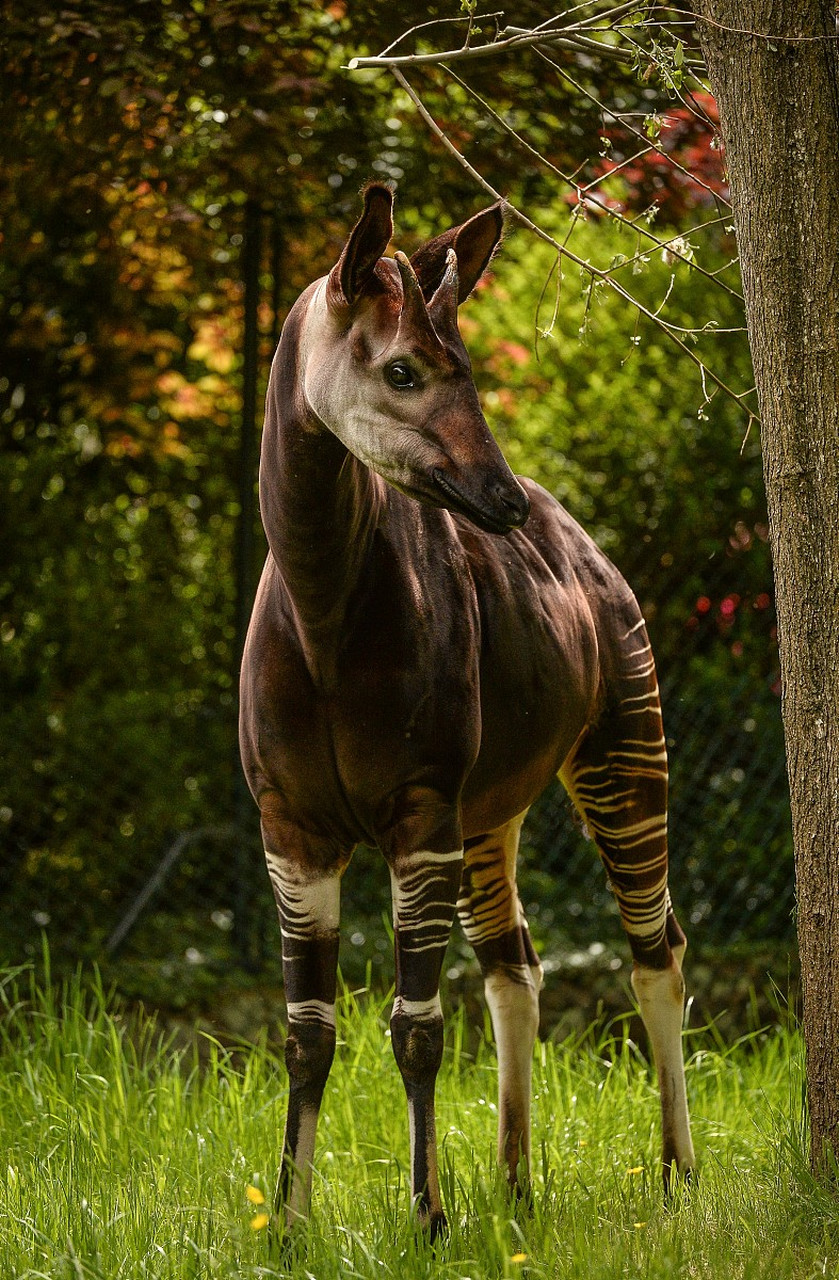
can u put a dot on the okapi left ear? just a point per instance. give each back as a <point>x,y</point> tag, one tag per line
<point>353,272</point>
<point>474,243</point>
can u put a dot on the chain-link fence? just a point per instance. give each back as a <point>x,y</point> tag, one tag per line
<point>730,838</point>
<point>133,843</point>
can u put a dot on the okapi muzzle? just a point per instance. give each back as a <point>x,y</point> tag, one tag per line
<point>413,681</point>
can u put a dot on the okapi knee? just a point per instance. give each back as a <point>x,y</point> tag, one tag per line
<point>309,1051</point>
<point>417,1047</point>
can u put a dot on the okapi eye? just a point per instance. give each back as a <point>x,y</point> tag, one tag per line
<point>400,375</point>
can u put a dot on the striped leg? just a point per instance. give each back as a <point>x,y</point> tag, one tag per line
<point>494,923</point>
<point>617,779</point>
<point>425,887</point>
<point>309,906</point>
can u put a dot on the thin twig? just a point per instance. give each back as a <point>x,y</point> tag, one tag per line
<point>636,132</point>
<point>572,40</point>
<point>593,199</point>
<point>436,22</point>
<point>594,272</point>
<point>527,37</point>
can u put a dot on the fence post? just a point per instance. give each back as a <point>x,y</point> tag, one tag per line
<point>245,867</point>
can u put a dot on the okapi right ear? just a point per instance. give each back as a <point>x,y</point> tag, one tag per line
<point>353,272</point>
<point>474,244</point>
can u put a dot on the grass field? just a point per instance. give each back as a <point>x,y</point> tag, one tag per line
<point>120,1158</point>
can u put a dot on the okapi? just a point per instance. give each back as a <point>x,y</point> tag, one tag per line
<point>432,641</point>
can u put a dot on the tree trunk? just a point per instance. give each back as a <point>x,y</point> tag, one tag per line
<point>778,94</point>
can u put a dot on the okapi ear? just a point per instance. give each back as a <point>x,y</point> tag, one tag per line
<point>474,243</point>
<point>353,272</point>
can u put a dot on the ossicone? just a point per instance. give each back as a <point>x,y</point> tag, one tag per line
<point>439,276</point>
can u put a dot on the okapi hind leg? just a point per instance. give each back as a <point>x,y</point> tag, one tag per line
<point>661,995</point>
<point>617,779</point>
<point>493,921</point>
<point>308,899</point>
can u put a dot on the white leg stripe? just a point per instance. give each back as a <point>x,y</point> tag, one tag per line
<point>632,630</point>
<point>413,886</point>
<point>419,1008</point>
<point>309,905</point>
<point>311,1011</point>
<point>441,857</point>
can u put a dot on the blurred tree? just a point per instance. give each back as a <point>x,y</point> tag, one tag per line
<point>775,72</point>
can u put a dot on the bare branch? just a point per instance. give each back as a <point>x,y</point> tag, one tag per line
<point>594,272</point>
<point>636,132</point>
<point>572,36</point>
<point>601,205</point>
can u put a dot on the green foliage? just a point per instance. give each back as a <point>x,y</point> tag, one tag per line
<point>125,1157</point>
<point>596,404</point>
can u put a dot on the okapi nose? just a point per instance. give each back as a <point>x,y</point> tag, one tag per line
<point>513,501</point>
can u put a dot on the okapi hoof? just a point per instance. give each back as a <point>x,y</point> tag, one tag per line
<point>438,1227</point>
<point>678,1183</point>
<point>521,1195</point>
<point>434,1226</point>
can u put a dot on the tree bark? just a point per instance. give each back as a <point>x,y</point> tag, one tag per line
<point>777,87</point>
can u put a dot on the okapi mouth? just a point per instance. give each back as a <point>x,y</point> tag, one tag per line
<point>511,511</point>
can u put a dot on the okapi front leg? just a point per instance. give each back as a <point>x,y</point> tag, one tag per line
<point>425,888</point>
<point>309,906</point>
<point>494,923</point>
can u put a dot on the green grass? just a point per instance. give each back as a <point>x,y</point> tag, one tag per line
<point>121,1158</point>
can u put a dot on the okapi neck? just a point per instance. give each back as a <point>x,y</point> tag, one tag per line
<point>319,505</point>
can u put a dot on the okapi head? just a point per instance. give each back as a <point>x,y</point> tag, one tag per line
<point>386,371</point>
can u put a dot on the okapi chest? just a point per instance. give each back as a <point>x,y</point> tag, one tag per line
<point>432,641</point>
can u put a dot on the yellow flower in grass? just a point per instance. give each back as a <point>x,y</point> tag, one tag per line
<point>519,1257</point>
<point>639,1168</point>
<point>259,1220</point>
